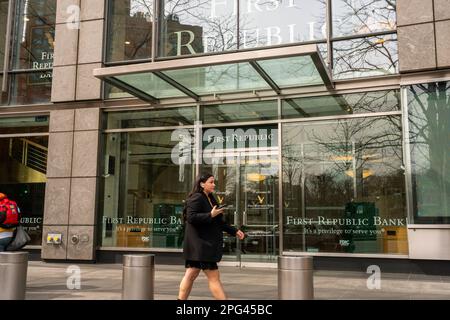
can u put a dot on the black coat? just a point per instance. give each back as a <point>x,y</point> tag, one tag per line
<point>203,238</point>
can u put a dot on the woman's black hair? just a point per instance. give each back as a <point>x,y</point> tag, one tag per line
<point>201,178</point>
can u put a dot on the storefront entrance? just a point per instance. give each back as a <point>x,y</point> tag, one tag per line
<point>246,173</point>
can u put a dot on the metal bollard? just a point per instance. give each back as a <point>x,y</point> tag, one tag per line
<point>138,277</point>
<point>295,278</point>
<point>13,275</point>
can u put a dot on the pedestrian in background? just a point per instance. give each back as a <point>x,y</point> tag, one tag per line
<point>203,237</point>
<point>9,219</point>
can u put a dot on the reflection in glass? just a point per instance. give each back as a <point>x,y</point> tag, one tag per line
<point>292,72</point>
<point>237,112</point>
<point>130,30</point>
<point>3,19</point>
<point>33,124</point>
<point>29,88</point>
<point>112,92</point>
<point>366,102</point>
<point>343,186</point>
<point>197,26</point>
<point>364,57</point>
<point>3,95</point>
<point>363,16</point>
<point>152,118</point>
<point>23,163</point>
<point>34,34</point>
<point>219,78</point>
<point>266,23</point>
<point>429,131</point>
<point>151,84</point>
<point>147,176</point>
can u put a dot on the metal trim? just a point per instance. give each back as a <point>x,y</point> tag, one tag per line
<point>348,255</point>
<point>235,124</point>
<point>155,29</point>
<point>177,85</point>
<point>7,56</point>
<point>428,226</point>
<point>133,105</point>
<point>407,155</point>
<point>193,62</point>
<point>280,189</point>
<point>23,135</point>
<point>249,123</point>
<point>147,129</point>
<point>329,26</point>
<point>139,249</point>
<point>265,76</point>
<point>350,116</point>
<point>21,71</point>
<point>107,19</point>
<point>364,35</point>
<point>132,90</point>
<point>425,77</point>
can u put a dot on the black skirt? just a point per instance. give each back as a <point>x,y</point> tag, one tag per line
<point>204,265</point>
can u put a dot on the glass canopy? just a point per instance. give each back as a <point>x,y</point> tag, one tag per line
<point>247,71</point>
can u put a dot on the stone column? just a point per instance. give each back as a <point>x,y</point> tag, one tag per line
<point>72,173</point>
<point>423,34</point>
<point>442,25</point>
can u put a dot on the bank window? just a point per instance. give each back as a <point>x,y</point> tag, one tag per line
<point>192,27</point>
<point>22,125</point>
<point>130,30</point>
<point>152,118</point>
<point>344,186</point>
<point>23,161</point>
<point>29,71</point>
<point>363,16</point>
<point>31,88</point>
<point>428,116</point>
<point>365,57</point>
<point>34,34</point>
<point>345,104</point>
<point>268,23</point>
<point>239,112</point>
<point>147,177</point>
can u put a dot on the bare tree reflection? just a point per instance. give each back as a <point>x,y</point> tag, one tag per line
<point>37,18</point>
<point>365,56</point>
<point>429,122</point>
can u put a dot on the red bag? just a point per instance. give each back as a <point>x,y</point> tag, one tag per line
<point>12,219</point>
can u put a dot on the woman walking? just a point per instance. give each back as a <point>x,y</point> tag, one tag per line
<point>203,238</point>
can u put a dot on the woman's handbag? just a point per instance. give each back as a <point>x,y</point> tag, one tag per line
<point>20,239</point>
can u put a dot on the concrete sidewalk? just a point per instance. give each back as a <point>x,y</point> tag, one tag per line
<point>48,281</point>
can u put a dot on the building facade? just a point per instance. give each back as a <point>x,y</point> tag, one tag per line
<point>325,123</point>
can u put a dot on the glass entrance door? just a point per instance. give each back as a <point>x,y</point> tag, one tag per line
<point>247,184</point>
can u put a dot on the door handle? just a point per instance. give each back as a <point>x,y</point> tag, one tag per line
<point>235,218</point>
<point>244,218</point>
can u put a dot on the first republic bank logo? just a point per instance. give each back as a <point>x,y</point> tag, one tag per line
<point>218,146</point>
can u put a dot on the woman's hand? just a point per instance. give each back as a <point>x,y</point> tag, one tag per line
<point>240,235</point>
<point>215,212</point>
